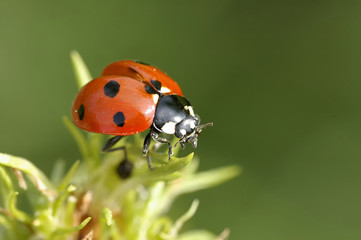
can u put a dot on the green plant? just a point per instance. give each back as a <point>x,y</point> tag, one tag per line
<point>90,201</point>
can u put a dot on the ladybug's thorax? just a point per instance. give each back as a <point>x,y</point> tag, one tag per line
<point>174,115</point>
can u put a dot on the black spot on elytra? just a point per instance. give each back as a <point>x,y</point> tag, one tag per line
<point>119,119</point>
<point>156,84</point>
<point>81,112</point>
<point>111,89</point>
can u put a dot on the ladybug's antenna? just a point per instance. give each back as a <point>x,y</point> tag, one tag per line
<point>200,127</point>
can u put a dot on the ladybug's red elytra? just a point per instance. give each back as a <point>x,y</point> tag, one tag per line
<point>131,97</point>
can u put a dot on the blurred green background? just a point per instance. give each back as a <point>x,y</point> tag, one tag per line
<point>281,80</point>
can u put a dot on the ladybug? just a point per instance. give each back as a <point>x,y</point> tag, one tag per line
<point>130,97</point>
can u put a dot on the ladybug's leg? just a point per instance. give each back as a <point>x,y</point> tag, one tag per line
<point>157,138</point>
<point>125,167</point>
<point>146,145</point>
<point>110,143</point>
<point>155,135</point>
<point>181,142</point>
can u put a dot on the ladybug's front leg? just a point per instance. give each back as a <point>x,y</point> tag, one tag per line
<point>146,145</point>
<point>155,135</point>
<point>181,142</point>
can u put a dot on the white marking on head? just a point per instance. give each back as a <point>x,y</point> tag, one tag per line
<point>169,128</point>
<point>190,109</point>
<point>183,132</point>
<point>155,98</point>
<point>192,125</point>
<point>164,90</point>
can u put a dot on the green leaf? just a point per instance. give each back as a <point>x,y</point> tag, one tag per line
<point>163,173</point>
<point>66,180</point>
<point>5,179</point>
<point>44,223</point>
<point>188,215</point>
<point>107,216</point>
<point>180,222</point>
<point>81,71</point>
<point>61,198</point>
<point>174,165</point>
<point>70,208</point>
<point>78,137</point>
<point>10,229</point>
<point>150,211</point>
<point>88,147</point>
<point>108,228</point>
<point>197,235</point>
<point>203,235</point>
<point>5,223</point>
<point>195,182</point>
<point>63,231</point>
<point>57,172</point>
<point>206,179</point>
<point>159,227</point>
<point>83,76</point>
<point>39,179</point>
<point>18,214</point>
<point>95,141</point>
<point>6,185</point>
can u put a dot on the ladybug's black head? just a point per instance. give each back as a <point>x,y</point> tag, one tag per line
<point>188,130</point>
<point>174,115</point>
